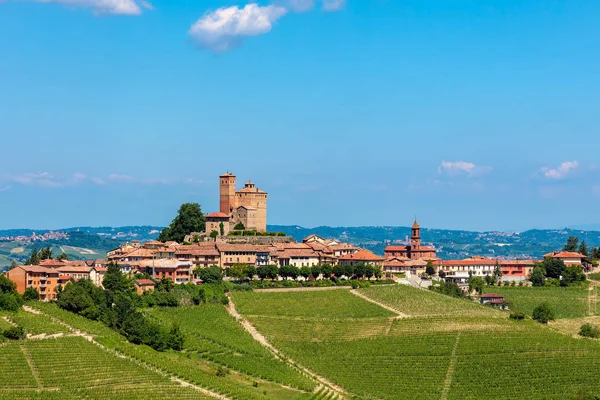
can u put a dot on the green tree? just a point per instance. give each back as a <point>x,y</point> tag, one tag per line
<point>339,271</point>
<point>315,271</point>
<point>115,281</point>
<point>250,271</point>
<point>176,339</point>
<point>46,253</point>
<point>237,271</point>
<point>262,272</point>
<point>497,273</point>
<point>212,274</point>
<point>326,270</point>
<point>63,256</point>
<point>538,275</point>
<point>239,227</point>
<point>6,285</point>
<point>572,244</point>
<point>429,269</point>
<point>555,268</point>
<point>543,313</point>
<point>369,271</point>
<point>15,333</point>
<point>305,272</point>
<point>165,285</point>
<point>476,283</point>
<point>9,302</point>
<point>13,265</point>
<point>189,219</point>
<point>31,294</point>
<point>583,249</point>
<point>222,228</point>
<point>214,235</point>
<point>34,257</point>
<point>377,272</point>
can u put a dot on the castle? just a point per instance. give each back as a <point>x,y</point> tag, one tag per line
<point>247,206</point>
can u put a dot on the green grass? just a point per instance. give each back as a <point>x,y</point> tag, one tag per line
<point>567,302</point>
<point>409,358</point>
<point>418,302</point>
<point>216,336</point>
<point>335,304</point>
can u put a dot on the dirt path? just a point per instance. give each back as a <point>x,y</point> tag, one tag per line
<point>450,373</point>
<point>256,335</point>
<point>362,296</point>
<point>31,364</point>
<point>90,338</point>
<point>11,322</point>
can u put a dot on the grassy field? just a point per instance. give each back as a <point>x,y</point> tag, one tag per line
<point>447,349</point>
<point>567,302</point>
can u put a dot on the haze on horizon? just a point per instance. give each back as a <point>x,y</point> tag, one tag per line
<point>472,115</point>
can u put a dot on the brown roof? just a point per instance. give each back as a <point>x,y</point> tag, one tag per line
<point>395,248</point>
<point>565,254</point>
<point>147,253</point>
<point>342,246</point>
<point>394,262</point>
<point>38,269</point>
<point>492,296</point>
<point>203,249</point>
<point>362,255</point>
<point>469,262</point>
<point>415,225</point>
<point>78,263</point>
<point>517,262</point>
<point>74,270</point>
<point>64,278</point>
<point>229,247</point>
<point>169,263</point>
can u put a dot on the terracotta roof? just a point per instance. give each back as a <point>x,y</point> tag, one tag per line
<point>64,278</point>
<point>517,262</point>
<point>74,270</point>
<point>217,215</point>
<point>468,262</point>
<point>243,247</point>
<point>362,255</point>
<point>395,248</point>
<point>394,262</point>
<point>492,296</point>
<point>52,263</point>
<point>564,254</point>
<point>147,253</point>
<point>101,269</point>
<point>169,263</point>
<point>204,249</point>
<point>251,190</point>
<point>75,263</point>
<point>39,269</point>
<point>144,282</point>
<point>228,174</point>
<point>342,246</point>
<point>415,225</point>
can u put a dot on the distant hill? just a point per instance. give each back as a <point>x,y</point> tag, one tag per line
<point>452,244</point>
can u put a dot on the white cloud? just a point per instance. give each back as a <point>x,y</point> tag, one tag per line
<point>120,7</point>
<point>5,188</point>
<point>333,5</point>
<point>120,178</point>
<point>462,168</point>
<point>562,171</point>
<point>225,28</point>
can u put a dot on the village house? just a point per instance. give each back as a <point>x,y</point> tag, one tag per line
<point>362,256</point>
<point>413,251</point>
<point>45,280</point>
<point>144,285</point>
<point>571,259</point>
<point>201,254</point>
<point>176,270</point>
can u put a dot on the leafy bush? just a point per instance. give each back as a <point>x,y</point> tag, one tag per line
<point>31,294</point>
<point>543,313</point>
<point>9,302</point>
<point>14,333</point>
<point>212,274</point>
<point>589,331</point>
<point>518,316</point>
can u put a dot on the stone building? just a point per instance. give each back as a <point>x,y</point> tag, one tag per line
<point>247,206</point>
<point>414,251</point>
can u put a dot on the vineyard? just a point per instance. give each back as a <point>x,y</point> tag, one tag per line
<point>567,302</point>
<point>445,349</point>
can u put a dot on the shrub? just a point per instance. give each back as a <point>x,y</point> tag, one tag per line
<point>589,331</point>
<point>31,294</point>
<point>8,302</point>
<point>14,333</point>
<point>517,316</point>
<point>543,313</point>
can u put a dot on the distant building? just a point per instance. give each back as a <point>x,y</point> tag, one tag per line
<point>413,251</point>
<point>144,285</point>
<point>45,280</point>
<point>362,256</point>
<point>571,259</point>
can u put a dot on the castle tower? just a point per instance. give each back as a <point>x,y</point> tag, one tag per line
<point>415,237</point>
<point>227,192</point>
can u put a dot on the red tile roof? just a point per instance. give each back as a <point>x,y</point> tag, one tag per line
<point>144,282</point>
<point>52,263</point>
<point>468,262</point>
<point>395,248</point>
<point>362,255</point>
<point>565,254</point>
<point>415,225</point>
<point>217,215</point>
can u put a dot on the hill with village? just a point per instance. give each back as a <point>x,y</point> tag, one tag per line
<point>85,243</point>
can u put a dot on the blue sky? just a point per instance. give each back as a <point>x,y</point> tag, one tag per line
<point>470,114</point>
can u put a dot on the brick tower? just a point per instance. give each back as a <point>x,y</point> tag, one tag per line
<point>227,192</point>
<point>415,239</point>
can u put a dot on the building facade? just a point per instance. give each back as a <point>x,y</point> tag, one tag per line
<point>413,251</point>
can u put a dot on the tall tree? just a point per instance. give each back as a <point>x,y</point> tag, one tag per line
<point>13,265</point>
<point>189,219</point>
<point>46,253</point>
<point>572,244</point>
<point>63,256</point>
<point>583,249</point>
<point>222,228</point>
<point>34,257</point>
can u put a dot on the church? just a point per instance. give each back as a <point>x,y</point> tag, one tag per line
<point>414,251</point>
<point>247,206</point>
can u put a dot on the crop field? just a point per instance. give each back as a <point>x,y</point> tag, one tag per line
<point>449,349</point>
<point>74,368</point>
<point>36,324</point>
<point>417,302</point>
<point>216,336</point>
<point>567,302</point>
<point>189,366</point>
